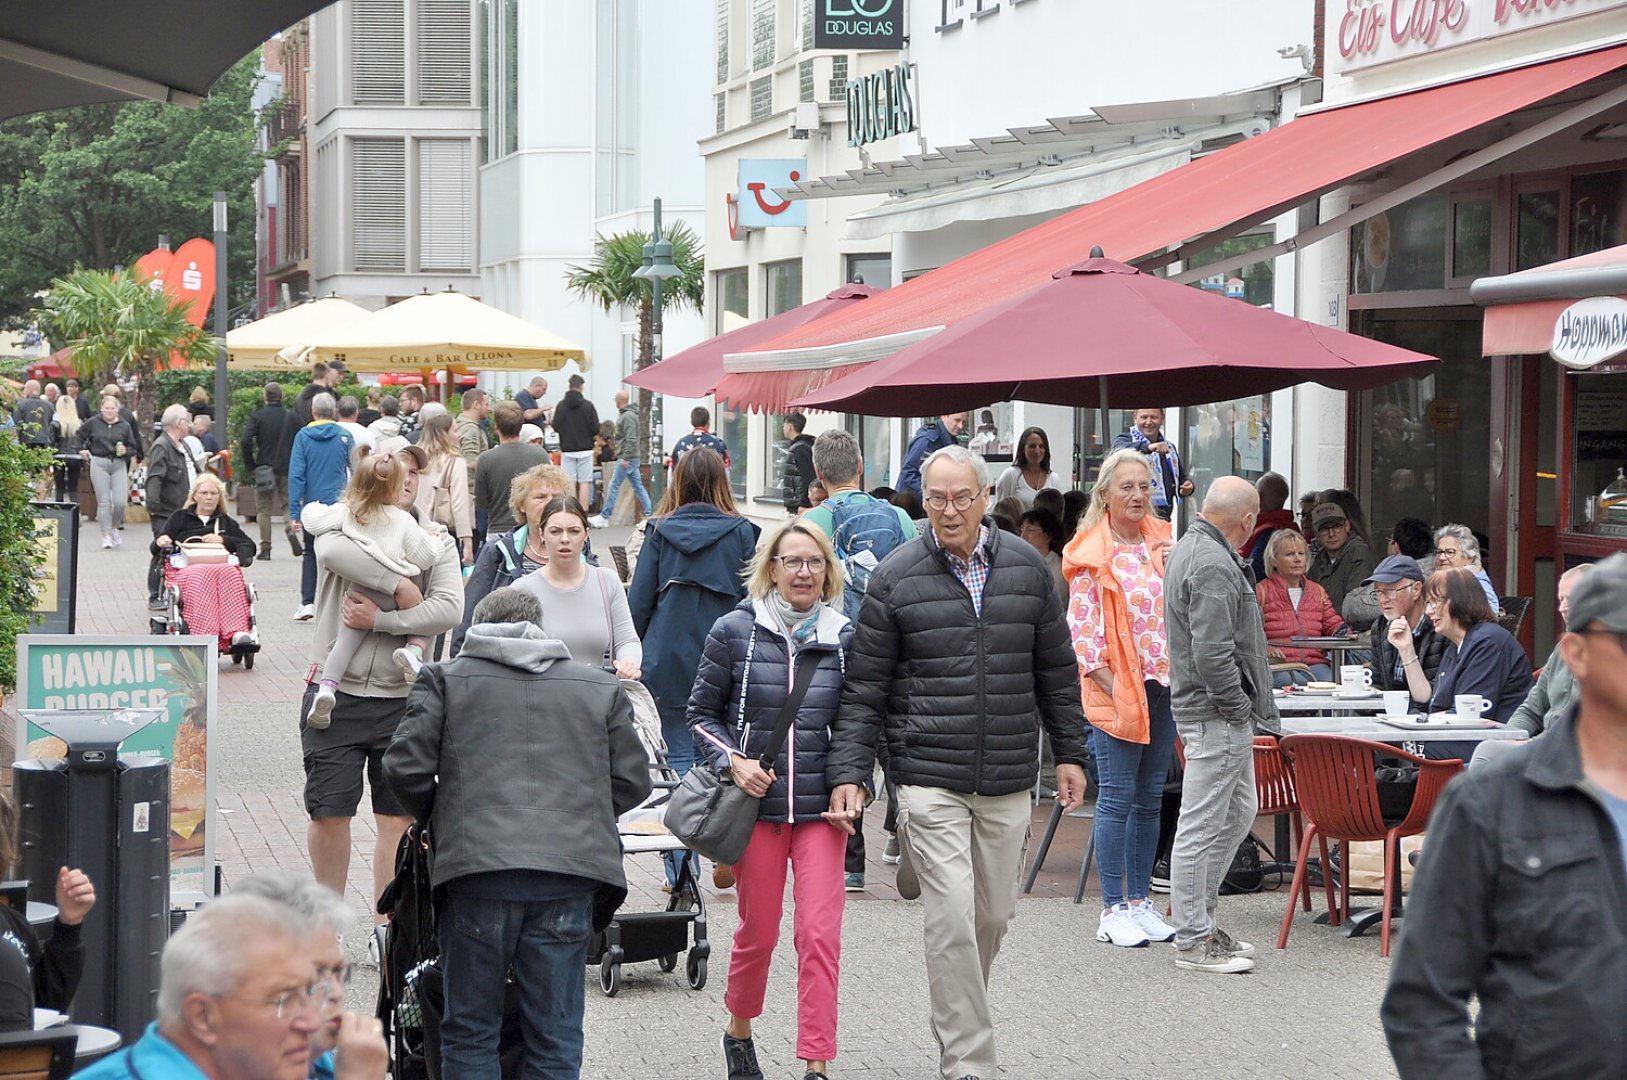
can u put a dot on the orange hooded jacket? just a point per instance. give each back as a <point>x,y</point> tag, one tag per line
<point>1123,714</point>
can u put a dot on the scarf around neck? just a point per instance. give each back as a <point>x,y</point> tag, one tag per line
<point>799,625</point>
<point>1161,496</point>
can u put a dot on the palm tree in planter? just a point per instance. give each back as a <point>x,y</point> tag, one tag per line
<point>119,326</point>
<point>608,281</point>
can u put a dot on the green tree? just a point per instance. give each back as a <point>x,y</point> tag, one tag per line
<point>118,326</point>
<point>608,281</point>
<point>95,186</point>
<point>20,560</point>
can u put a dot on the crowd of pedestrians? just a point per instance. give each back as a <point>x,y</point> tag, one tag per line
<point>951,647</point>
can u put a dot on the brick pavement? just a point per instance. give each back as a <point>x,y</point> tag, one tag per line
<point>1065,1005</point>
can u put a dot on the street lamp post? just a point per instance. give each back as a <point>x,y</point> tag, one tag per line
<point>222,304</point>
<point>658,266</point>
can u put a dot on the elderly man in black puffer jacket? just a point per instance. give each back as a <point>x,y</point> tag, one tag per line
<point>961,656</point>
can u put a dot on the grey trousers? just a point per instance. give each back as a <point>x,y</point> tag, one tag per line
<point>1218,804</point>
<point>110,477</point>
<point>270,499</point>
<point>968,851</point>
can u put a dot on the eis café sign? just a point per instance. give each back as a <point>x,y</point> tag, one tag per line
<point>1367,33</point>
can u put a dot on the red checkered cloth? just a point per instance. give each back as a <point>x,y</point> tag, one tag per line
<point>214,600</point>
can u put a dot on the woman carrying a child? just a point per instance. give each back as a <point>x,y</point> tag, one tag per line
<point>371,517</point>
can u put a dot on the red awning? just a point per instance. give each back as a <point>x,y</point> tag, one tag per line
<point>1523,307</point>
<point>1252,181</point>
<point>696,371</point>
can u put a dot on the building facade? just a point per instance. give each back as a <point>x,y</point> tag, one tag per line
<point>282,229</point>
<point>592,110</point>
<point>393,127</point>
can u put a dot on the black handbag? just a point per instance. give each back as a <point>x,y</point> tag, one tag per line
<point>708,812</point>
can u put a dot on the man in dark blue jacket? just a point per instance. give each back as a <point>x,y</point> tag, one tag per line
<point>929,438</point>
<point>1520,899</point>
<point>318,471</point>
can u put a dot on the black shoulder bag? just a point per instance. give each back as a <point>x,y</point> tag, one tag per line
<point>707,811</point>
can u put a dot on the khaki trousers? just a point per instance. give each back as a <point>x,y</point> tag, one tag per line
<point>968,851</point>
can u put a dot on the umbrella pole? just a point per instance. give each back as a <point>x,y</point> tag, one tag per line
<point>1107,438</point>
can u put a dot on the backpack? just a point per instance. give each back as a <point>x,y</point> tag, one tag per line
<point>864,530</point>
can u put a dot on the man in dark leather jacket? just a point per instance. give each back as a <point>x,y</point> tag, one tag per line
<point>1520,899</point>
<point>1399,586</point>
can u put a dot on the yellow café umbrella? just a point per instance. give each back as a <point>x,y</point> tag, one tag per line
<point>256,345</point>
<point>444,330</point>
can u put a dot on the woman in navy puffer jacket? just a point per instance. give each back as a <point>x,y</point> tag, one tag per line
<point>792,609</point>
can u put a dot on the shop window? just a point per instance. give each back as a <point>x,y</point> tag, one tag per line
<point>1254,284</point>
<point>875,435</point>
<point>875,271</point>
<point>989,431</point>
<point>1227,438</point>
<point>1471,237</point>
<point>1598,211</point>
<point>1536,229</point>
<point>1599,483</point>
<point>731,305</point>
<point>783,282</point>
<point>1401,249</point>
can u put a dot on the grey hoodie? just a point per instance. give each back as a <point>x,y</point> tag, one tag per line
<point>520,759</point>
<point>1217,663</point>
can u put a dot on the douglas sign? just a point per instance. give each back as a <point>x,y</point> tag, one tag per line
<point>859,24</point>
<point>879,106</point>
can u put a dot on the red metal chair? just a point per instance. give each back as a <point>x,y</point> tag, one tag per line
<point>1338,793</point>
<point>1274,787</point>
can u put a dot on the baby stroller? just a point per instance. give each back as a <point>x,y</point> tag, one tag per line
<point>637,936</point>
<point>205,594</point>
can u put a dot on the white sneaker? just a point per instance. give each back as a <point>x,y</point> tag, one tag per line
<point>1231,944</point>
<point>305,613</point>
<point>118,540</point>
<point>598,521</point>
<point>107,541</point>
<point>321,714</point>
<point>408,661</point>
<point>1151,923</point>
<point>1119,928</point>
<point>1208,955</point>
<point>245,637</point>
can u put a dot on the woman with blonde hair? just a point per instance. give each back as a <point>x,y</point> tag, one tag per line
<point>204,514</point>
<point>68,469</point>
<point>1292,605</point>
<point>1115,571</point>
<point>752,659</point>
<point>443,484</point>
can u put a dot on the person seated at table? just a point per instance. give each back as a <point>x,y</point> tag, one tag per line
<point>1457,546</point>
<point>32,976</point>
<point>237,997</point>
<point>1555,690</point>
<point>1481,657</point>
<point>1398,583</point>
<point>1341,558</point>
<point>1294,606</point>
<point>204,514</point>
<point>1410,537</point>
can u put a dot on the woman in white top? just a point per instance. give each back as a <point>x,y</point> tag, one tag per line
<point>1031,473</point>
<point>583,606</point>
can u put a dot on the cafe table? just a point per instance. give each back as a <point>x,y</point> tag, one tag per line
<point>1335,645</point>
<point>1359,920</point>
<point>92,1042</point>
<point>1327,704</point>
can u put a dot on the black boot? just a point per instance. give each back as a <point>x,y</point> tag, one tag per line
<point>265,552</point>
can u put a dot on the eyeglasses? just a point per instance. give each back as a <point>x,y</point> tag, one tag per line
<point>1450,553</point>
<point>1605,631</point>
<point>961,502</point>
<point>796,563</point>
<point>1397,590</point>
<point>290,1003</point>
<point>337,974</point>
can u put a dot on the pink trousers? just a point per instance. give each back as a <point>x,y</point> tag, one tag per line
<point>815,852</point>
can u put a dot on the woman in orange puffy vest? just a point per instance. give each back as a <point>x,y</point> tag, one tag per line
<point>1115,571</point>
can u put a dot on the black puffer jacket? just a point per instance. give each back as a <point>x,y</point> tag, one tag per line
<point>740,687</point>
<point>961,697</point>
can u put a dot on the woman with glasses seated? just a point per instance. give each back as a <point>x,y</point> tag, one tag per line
<point>791,616</point>
<point>1481,657</point>
<point>1456,547</point>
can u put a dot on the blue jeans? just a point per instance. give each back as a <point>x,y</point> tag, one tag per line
<point>546,943</point>
<point>682,756</point>
<point>626,470</point>
<point>307,571</point>
<point>1130,800</point>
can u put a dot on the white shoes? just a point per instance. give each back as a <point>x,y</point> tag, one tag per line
<point>1151,923</point>
<point>598,521</point>
<point>305,613</point>
<point>1118,927</point>
<point>408,661</point>
<point>245,637</point>
<point>107,540</point>
<point>321,714</point>
<point>118,539</point>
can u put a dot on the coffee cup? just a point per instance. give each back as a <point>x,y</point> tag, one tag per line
<point>1355,678</point>
<point>1471,706</point>
<point>1397,702</point>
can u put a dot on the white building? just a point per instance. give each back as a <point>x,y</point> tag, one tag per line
<point>394,129</point>
<point>780,109</point>
<point>592,111</point>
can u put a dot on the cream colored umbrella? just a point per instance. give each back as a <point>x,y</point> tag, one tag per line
<point>255,346</point>
<point>444,330</point>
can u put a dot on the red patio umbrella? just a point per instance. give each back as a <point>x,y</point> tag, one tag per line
<point>1104,331</point>
<point>53,368</point>
<point>698,370</point>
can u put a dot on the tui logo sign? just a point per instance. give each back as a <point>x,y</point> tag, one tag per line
<point>756,206</point>
<point>858,24</point>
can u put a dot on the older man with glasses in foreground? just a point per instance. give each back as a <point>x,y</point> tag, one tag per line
<point>238,999</point>
<point>961,656</point>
